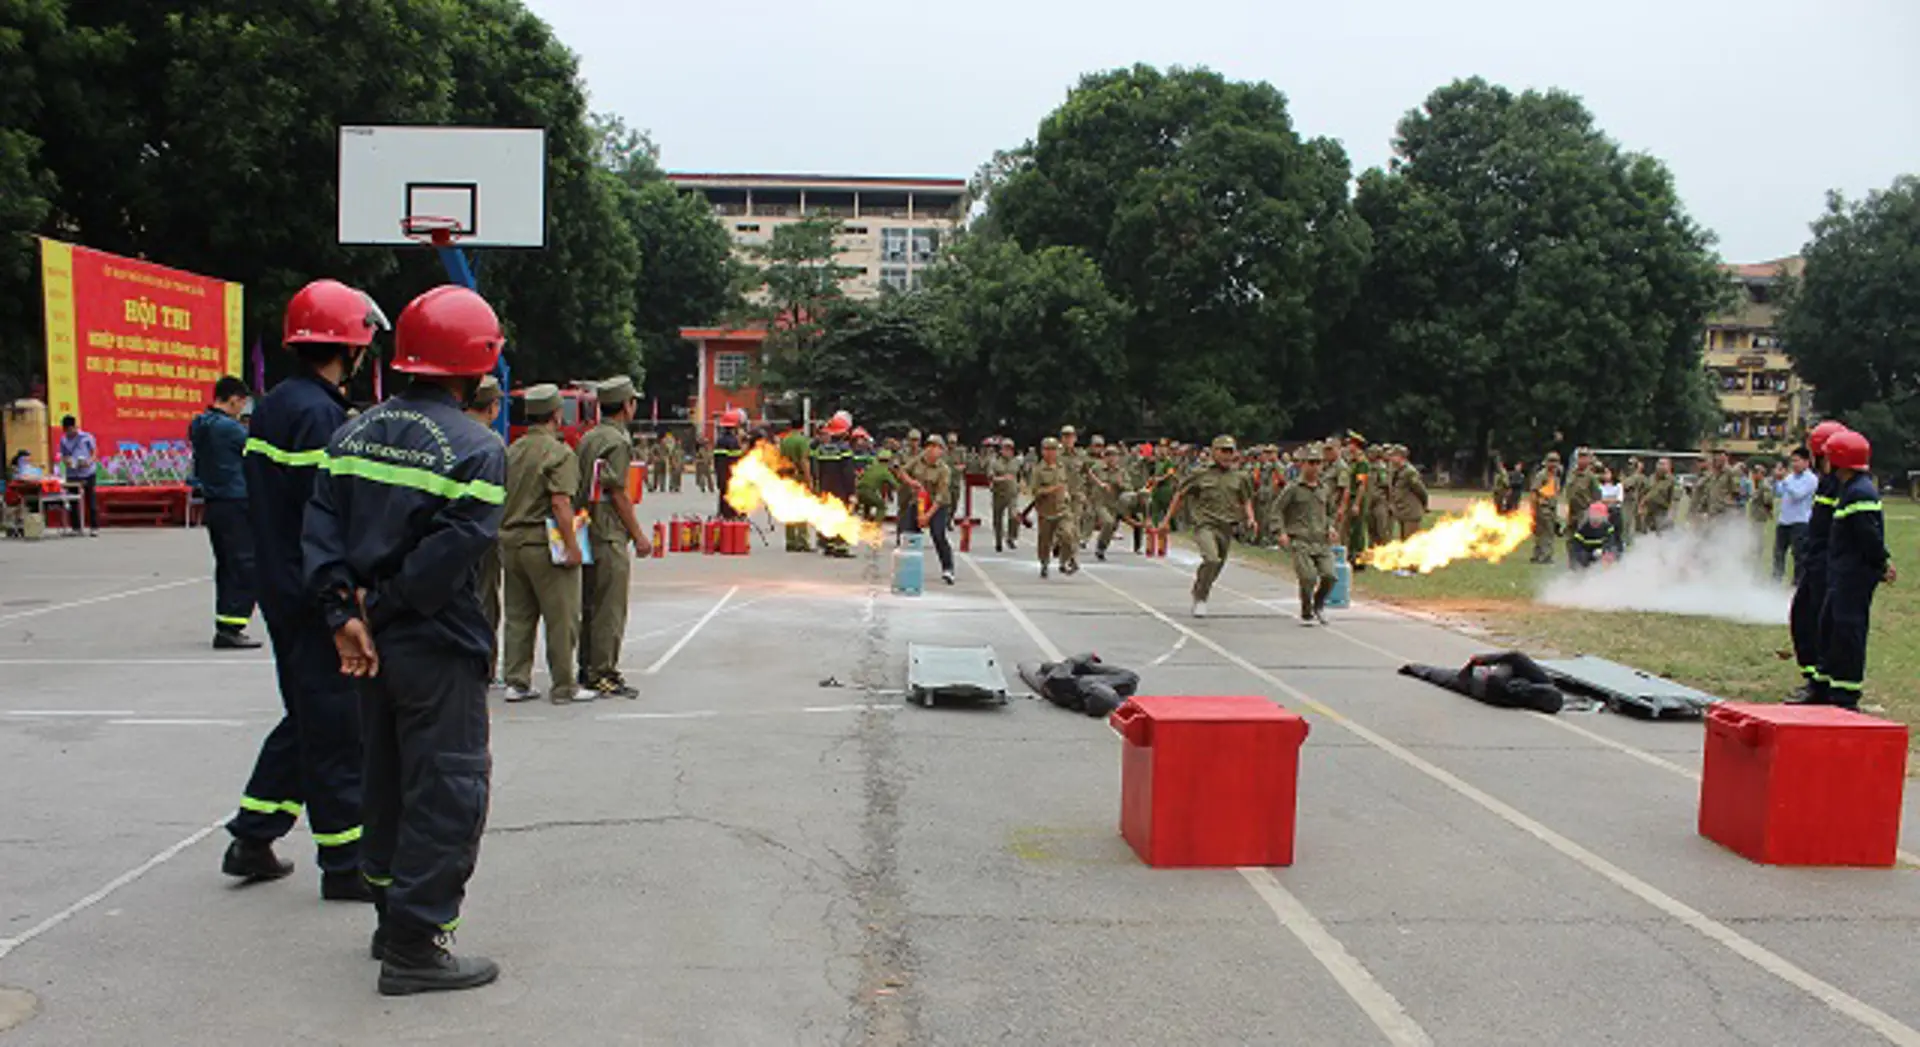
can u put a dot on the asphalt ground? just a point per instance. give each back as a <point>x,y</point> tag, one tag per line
<point>770,847</point>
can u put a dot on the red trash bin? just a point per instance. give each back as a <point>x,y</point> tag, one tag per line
<point>1208,781</point>
<point>1803,784</point>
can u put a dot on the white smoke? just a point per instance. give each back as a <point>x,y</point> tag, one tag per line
<point>1716,572</point>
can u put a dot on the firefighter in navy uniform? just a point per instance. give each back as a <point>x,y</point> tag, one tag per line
<point>1857,562</point>
<point>410,503</point>
<point>311,759</point>
<point>834,461</point>
<point>1804,618</point>
<point>726,454</point>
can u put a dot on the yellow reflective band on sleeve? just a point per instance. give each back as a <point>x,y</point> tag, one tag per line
<point>228,620</point>
<point>1821,499</point>
<point>258,806</point>
<point>255,445</point>
<point>1857,507</point>
<point>417,479</point>
<point>377,881</point>
<point>344,836</point>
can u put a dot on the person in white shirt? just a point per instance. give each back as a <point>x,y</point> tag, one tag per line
<point>1793,489</point>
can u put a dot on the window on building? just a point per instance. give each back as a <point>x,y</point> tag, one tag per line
<point>1766,341</point>
<point>746,227</point>
<point>893,245</point>
<point>926,243</point>
<point>1732,381</point>
<point>854,230</point>
<point>731,368</point>
<point>1730,428</point>
<point>895,276</point>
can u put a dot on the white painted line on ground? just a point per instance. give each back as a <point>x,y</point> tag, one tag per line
<point>1178,644</point>
<point>1033,631</point>
<point>70,712</point>
<point>698,714</point>
<point>1367,993</point>
<point>690,633</point>
<point>665,629</point>
<point>1888,1027</point>
<point>857,707</point>
<point>1392,1019</point>
<point>161,722</point>
<point>82,663</point>
<point>104,598</point>
<point>709,714</point>
<point>7,945</point>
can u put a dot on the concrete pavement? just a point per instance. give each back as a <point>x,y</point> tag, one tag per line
<point>745,856</point>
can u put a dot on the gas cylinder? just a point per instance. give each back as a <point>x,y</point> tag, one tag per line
<point>710,537</point>
<point>909,564</point>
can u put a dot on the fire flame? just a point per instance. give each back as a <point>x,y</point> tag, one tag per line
<point>756,482</point>
<point>1480,533</point>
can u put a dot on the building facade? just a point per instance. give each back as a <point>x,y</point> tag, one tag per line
<point>892,228</point>
<point>728,360</point>
<point>1763,403</point>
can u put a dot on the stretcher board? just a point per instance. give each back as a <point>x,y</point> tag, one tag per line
<point>970,674</point>
<point>1627,690</point>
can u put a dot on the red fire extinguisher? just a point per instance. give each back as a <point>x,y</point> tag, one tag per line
<point>710,537</point>
<point>659,540</point>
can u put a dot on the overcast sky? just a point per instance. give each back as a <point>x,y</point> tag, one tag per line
<point>1759,107</point>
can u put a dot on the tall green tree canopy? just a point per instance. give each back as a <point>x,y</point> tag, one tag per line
<point>798,295</point>
<point>1228,236</point>
<point>1530,280</point>
<point>1852,321</point>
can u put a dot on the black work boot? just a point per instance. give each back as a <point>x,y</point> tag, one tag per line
<point>415,963</point>
<point>377,947</point>
<point>345,885</point>
<point>234,640</point>
<point>253,861</point>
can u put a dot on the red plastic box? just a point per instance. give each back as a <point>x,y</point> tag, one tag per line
<point>1208,781</point>
<point>1803,784</point>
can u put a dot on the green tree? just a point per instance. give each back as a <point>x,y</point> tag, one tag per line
<point>1027,341</point>
<point>1852,319</point>
<point>1529,277</point>
<point>1229,237</point>
<point>33,34</point>
<point>799,291</point>
<point>879,359</point>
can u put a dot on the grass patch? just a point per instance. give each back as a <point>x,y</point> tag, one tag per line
<point>1729,659</point>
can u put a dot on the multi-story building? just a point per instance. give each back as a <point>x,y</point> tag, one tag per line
<point>892,228</point>
<point>1763,403</point>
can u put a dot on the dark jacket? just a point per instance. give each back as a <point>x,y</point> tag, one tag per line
<point>409,502</point>
<point>218,442</point>
<point>1857,542</point>
<point>285,449</point>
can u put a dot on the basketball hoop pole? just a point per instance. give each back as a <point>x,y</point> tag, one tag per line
<point>454,259</point>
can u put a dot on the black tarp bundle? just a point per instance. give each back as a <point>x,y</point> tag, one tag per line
<point>1082,683</point>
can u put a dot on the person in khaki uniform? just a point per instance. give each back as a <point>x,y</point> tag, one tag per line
<point>1379,504</point>
<point>674,460</point>
<point>1545,492</point>
<point>1221,498</point>
<point>931,475</point>
<point>1107,482</point>
<point>1003,477</point>
<point>1076,463</point>
<point>703,465</point>
<point>605,456</point>
<point>1657,504</point>
<point>1633,490</point>
<point>543,474</point>
<point>485,409</point>
<point>1052,498</point>
<point>1307,533</point>
<point>1405,493</point>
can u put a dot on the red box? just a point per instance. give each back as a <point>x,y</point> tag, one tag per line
<point>1208,781</point>
<point>1803,784</point>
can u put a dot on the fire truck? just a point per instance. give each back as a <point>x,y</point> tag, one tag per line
<point>579,412</point>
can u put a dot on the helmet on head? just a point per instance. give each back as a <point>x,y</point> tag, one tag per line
<point>449,331</point>
<point>839,423</point>
<point>732,418</point>
<point>330,312</point>
<point>1817,439</point>
<point>1597,512</point>
<point>1849,450</point>
<point>861,434</point>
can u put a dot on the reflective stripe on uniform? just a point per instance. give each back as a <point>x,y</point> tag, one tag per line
<point>451,925</point>
<point>1846,685</point>
<point>377,881</point>
<point>344,836</point>
<point>417,479</point>
<point>258,806</point>
<point>1822,499</point>
<point>229,620</point>
<point>1857,507</point>
<point>255,445</point>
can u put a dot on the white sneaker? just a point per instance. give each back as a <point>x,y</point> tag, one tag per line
<point>1199,608</point>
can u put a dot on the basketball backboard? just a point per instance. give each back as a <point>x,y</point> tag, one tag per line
<point>491,182</point>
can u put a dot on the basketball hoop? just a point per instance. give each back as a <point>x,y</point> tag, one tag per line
<point>432,230</point>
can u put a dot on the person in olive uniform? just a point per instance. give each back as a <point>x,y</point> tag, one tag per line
<point>485,409</point>
<point>702,465</point>
<point>605,457</point>
<point>1632,490</point>
<point>1366,485</point>
<point>1583,489</point>
<point>1221,498</point>
<point>1405,493</point>
<point>929,473</point>
<point>874,486</point>
<point>1052,499</point>
<point>1545,492</point>
<point>1107,482</point>
<point>1379,504</point>
<point>1657,503</point>
<point>543,476</point>
<point>1306,533</point>
<point>675,459</point>
<point>1003,477</point>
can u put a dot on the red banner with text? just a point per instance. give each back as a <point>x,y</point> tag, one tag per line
<point>133,348</point>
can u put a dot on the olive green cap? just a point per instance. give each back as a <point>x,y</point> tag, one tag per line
<point>1050,441</point>
<point>543,398</point>
<point>913,434</point>
<point>615,392</point>
<point>936,440</point>
<point>1224,443</point>
<point>1068,430</point>
<point>487,393</point>
<point>1098,440</point>
<point>1553,456</point>
<point>885,455</point>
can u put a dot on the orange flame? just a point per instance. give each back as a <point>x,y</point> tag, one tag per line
<point>1480,533</point>
<point>756,482</point>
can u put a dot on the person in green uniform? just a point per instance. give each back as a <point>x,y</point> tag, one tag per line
<point>1502,484</point>
<point>1545,493</point>
<point>1003,479</point>
<point>675,461</point>
<point>1582,490</point>
<point>1221,498</point>
<point>1662,494</point>
<point>1760,506</point>
<point>1077,464</point>
<point>1307,534</point>
<point>649,452</point>
<point>1723,497</point>
<point>484,408</point>
<point>796,451</point>
<point>1365,485</point>
<point>1701,494</point>
<point>904,502</point>
<point>605,456</point>
<point>874,487</point>
<point>1107,481</point>
<point>1405,492</point>
<point>1052,499</point>
<point>1162,482</point>
<point>1336,485</point>
<point>1378,506</point>
<point>702,465</point>
<point>1632,490</point>
<point>543,476</point>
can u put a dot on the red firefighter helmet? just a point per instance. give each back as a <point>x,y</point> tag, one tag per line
<point>1822,433</point>
<point>839,423</point>
<point>447,331</point>
<point>732,418</point>
<point>330,312</point>
<point>1849,450</point>
<point>1144,450</point>
<point>861,434</point>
